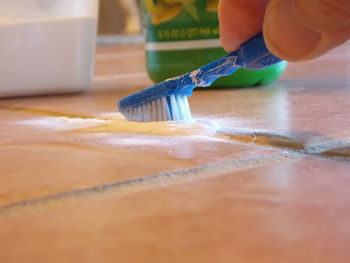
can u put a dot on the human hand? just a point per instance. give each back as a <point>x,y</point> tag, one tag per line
<point>294,30</point>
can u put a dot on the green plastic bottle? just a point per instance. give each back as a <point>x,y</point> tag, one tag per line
<point>182,35</point>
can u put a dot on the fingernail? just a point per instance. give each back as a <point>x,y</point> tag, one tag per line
<point>287,34</point>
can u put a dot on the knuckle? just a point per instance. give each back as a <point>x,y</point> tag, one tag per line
<point>325,14</point>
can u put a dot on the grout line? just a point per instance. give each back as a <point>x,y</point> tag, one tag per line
<point>320,148</point>
<point>43,112</point>
<point>180,176</point>
<point>290,150</point>
<point>275,140</point>
<point>161,180</point>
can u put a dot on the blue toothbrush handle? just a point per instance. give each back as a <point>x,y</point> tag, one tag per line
<point>252,54</point>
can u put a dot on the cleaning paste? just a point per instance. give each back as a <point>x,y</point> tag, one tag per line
<point>116,124</point>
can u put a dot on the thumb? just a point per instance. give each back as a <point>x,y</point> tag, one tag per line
<point>299,30</point>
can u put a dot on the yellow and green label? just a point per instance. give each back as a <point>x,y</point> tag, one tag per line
<point>180,20</point>
<point>182,35</point>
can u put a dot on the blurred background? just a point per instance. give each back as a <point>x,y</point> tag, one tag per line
<point>119,22</point>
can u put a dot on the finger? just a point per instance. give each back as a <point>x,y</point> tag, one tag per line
<point>299,30</point>
<point>239,21</point>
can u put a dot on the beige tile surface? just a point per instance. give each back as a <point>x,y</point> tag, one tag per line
<point>38,158</point>
<point>271,185</point>
<point>295,211</point>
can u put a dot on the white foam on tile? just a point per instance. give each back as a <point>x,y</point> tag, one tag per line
<point>128,133</point>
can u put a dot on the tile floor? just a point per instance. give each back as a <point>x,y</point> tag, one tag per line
<point>269,183</point>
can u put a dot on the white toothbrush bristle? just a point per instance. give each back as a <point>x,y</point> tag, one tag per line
<point>154,110</point>
<point>172,108</point>
<point>139,114</point>
<point>187,108</point>
<point>136,116</point>
<point>148,114</point>
<point>180,107</point>
<point>167,115</point>
<point>159,110</point>
<point>144,112</point>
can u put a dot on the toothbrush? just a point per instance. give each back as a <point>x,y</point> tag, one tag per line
<point>167,100</point>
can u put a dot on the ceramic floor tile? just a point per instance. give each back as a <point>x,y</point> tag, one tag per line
<point>38,157</point>
<point>294,211</point>
<point>69,187</point>
<point>310,95</point>
<point>292,113</point>
<point>306,111</point>
<point>309,105</point>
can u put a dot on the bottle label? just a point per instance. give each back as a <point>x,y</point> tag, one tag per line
<point>181,24</point>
